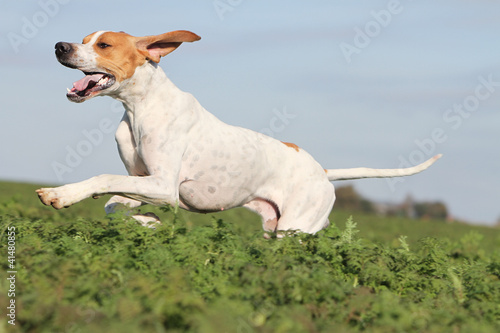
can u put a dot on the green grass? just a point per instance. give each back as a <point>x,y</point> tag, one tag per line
<point>79,271</point>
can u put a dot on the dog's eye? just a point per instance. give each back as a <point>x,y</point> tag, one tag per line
<point>103,45</point>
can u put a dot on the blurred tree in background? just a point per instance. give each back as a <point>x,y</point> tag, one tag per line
<point>350,200</point>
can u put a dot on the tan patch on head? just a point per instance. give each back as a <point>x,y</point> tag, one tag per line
<point>88,38</point>
<point>117,54</point>
<point>291,145</point>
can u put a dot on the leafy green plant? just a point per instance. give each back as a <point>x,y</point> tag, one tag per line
<point>82,273</point>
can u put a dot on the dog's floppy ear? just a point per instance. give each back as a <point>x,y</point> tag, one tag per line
<point>155,47</point>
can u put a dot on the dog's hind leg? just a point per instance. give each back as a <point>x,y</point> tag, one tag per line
<point>308,212</point>
<point>268,211</point>
<point>118,202</point>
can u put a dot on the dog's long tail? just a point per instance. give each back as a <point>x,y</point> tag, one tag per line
<point>358,173</point>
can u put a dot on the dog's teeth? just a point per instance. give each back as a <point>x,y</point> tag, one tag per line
<point>103,80</point>
<point>69,90</point>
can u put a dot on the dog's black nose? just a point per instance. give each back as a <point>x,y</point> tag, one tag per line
<point>63,48</point>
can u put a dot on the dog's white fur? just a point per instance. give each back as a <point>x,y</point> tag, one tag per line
<point>177,153</point>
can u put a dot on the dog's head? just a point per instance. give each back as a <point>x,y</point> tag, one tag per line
<point>109,58</point>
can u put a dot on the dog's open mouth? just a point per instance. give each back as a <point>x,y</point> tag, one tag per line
<point>89,86</point>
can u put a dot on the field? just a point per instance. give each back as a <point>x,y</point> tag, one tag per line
<point>79,271</point>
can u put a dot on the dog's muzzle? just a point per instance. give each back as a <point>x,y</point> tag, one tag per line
<point>91,85</point>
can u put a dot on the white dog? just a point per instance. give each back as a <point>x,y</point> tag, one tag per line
<point>177,153</point>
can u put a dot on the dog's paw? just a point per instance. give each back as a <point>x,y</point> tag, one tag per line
<point>54,197</point>
<point>149,220</point>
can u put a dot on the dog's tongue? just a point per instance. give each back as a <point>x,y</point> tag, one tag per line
<point>82,84</point>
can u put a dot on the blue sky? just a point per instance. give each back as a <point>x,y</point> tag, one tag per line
<point>424,78</point>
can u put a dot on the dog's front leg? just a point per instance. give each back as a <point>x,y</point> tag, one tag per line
<point>151,189</point>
